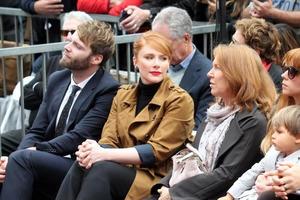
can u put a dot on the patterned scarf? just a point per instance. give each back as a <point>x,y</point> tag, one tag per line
<point>218,121</point>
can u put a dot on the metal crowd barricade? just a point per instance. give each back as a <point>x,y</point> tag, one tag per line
<point>20,52</point>
<point>18,15</point>
<point>198,28</point>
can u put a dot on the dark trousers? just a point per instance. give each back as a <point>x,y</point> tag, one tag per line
<point>104,180</point>
<point>10,141</point>
<point>34,175</point>
<point>269,195</point>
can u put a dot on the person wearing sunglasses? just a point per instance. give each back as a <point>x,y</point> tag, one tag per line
<point>289,173</point>
<point>291,71</point>
<point>33,91</point>
<point>65,33</point>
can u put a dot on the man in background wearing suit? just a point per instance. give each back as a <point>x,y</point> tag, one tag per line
<point>189,67</point>
<point>74,108</point>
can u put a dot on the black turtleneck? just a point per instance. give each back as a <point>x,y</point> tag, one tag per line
<point>144,95</point>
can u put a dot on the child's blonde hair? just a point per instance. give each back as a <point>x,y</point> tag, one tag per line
<point>289,117</point>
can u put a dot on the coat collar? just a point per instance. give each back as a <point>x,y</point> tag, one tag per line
<point>157,101</point>
<point>193,72</point>
<point>231,136</point>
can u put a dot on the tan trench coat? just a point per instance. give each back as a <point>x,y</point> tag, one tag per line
<point>165,123</point>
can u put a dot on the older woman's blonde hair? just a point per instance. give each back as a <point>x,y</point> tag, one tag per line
<point>154,40</point>
<point>248,80</point>
<point>291,58</point>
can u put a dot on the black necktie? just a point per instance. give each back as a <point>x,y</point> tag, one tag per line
<point>176,68</point>
<point>60,128</point>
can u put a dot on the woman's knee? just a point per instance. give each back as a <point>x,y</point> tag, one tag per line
<point>107,169</point>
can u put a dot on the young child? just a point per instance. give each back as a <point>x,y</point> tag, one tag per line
<point>285,148</point>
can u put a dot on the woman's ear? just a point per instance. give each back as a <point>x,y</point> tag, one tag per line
<point>134,61</point>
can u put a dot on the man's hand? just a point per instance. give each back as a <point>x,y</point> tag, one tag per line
<point>3,163</point>
<point>136,18</point>
<point>164,193</point>
<point>261,9</point>
<point>48,7</point>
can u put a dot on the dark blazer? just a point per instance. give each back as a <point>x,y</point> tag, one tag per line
<point>196,83</point>
<point>238,152</point>
<point>87,118</point>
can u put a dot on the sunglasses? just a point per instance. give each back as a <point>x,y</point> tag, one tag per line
<point>292,71</point>
<point>65,33</point>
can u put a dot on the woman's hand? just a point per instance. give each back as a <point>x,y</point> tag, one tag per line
<point>89,152</point>
<point>164,193</point>
<point>263,183</point>
<point>288,181</point>
<point>136,18</point>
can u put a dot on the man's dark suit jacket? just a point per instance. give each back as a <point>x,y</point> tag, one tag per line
<point>88,115</point>
<point>196,83</point>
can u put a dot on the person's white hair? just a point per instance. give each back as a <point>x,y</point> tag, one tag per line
<point>177,20</point>
<point>78,15</point>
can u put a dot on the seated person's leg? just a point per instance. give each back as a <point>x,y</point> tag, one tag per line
<point>105,179</point>
<point>34,172</point>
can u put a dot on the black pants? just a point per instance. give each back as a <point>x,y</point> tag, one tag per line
<point>10,141</point>
<point>271,196</point>
<point>104,180</point>
<point>34,175</point>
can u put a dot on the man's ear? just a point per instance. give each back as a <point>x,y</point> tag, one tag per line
<point>96,59</point>
<point>187,38</point>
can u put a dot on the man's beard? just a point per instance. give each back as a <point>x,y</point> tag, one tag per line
<point>75,64</point>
